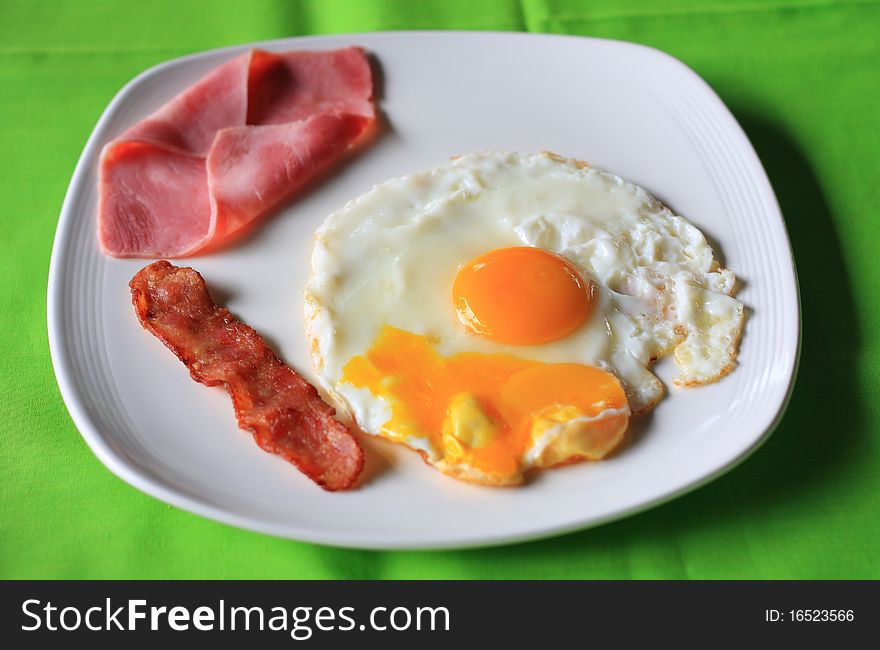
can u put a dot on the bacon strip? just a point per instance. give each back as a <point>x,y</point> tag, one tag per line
<point>284,412</point>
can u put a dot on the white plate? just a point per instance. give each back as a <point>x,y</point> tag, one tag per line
<point>627,108</point>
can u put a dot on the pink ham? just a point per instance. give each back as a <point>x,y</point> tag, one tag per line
<point>204,168</point>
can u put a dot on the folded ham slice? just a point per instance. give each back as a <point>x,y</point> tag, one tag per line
<point>204,167</point>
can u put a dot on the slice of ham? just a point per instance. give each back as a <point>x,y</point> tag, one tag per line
<point>284,412</point>
<point>204,168</point>
<point>252,169</point>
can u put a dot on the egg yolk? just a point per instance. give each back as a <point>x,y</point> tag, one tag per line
<point>521,295</point>
<point>482,410</point>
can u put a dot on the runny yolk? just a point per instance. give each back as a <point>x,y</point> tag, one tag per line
<point>521,295</point>
<point>478,409</point>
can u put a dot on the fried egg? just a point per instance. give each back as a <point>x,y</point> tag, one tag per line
<point>502,311</point>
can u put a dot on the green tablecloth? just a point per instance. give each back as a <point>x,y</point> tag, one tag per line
<point>802,77</point>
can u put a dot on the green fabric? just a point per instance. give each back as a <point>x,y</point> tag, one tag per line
<point>803,78</point>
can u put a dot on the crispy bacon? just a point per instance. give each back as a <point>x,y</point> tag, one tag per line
<point>284,412</point>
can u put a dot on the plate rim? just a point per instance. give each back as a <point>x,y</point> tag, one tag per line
<point>72,393</point>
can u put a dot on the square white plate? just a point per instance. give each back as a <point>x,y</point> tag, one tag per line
<point>627,108</point>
